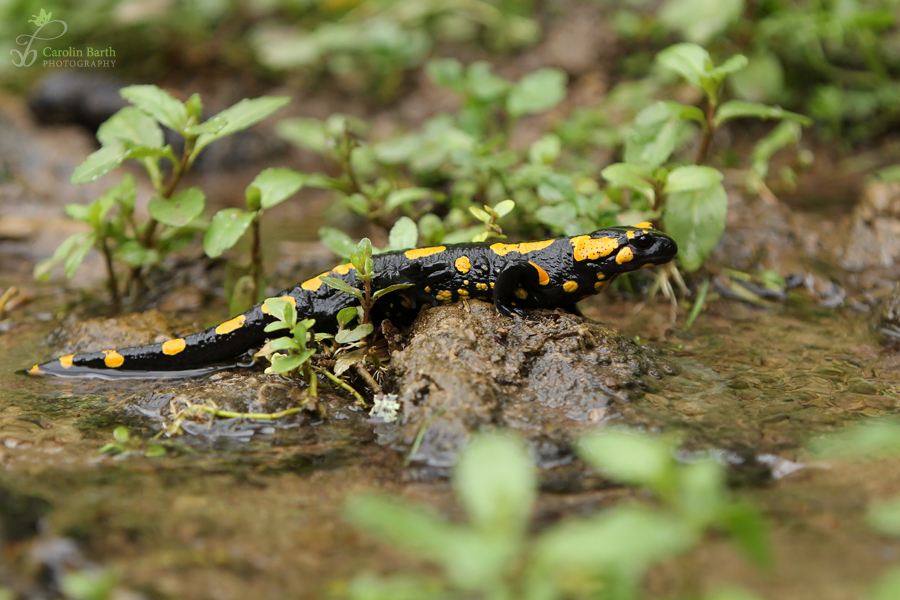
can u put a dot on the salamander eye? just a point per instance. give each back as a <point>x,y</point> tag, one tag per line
<point>642,241</point>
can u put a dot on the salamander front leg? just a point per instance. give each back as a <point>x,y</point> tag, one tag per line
<point>512,284</point>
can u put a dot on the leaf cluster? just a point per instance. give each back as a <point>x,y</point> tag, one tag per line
<point>600,556</point>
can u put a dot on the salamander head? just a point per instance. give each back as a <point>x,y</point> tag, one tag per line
<point>618,250</point>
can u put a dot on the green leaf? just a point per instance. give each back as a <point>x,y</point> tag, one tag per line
<point>135,254</point>
<point>305,133</point>
<point>633,177</point>
<point>750,531</point>
<point>405,196</point>
<point>404,234</point>
<point>496,482</point>
<point>194,107</point>
<point>133,126</point>
<point>872,439</point>
<point>242,115</point>
<point>556,215</point>
<point>731,593</point>
<point>337,241</point>
<point>121,434</point>
<point>391,288</point>
<point>340,284</point>
<point>402,524</point>
<point>885,517</point>
<point>282,310</point>
<point>277,185</point>
<point>537,92</point>
<point>732,64</point>
<point>431,229</point>
<point>88,585</point>
<point>157,103</point>
<point>886,588</point>
<point>276,326</point>
<point>656,131</point>
<point>546,150</point>
<point>737,109</point>
<point>632,458</point>
<point>785,134</point>
<point>622,541</point>
<point>688,60</point>
<point>225,229</point>
<point>447,72</point>
<point>78,254</point>
<point>284,343</point>
<point>504,207</point>
<point>346,315</point>
<point>761,81</point>
<point>483,84</point>
<point>72,245</point>
<point>99,163</point>
<point>348,336</point>
<point>285,364</point>
<point>696,220</point>
<point>691,177</point>
<point>181,209</point>
<point>480,214</point>
<point>699,21</point>
<point>155,451</point>
<point>210,127</point>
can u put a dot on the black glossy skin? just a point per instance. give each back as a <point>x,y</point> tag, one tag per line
<point>515,277</point>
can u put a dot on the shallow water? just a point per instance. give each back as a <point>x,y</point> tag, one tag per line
<point>257,514</point>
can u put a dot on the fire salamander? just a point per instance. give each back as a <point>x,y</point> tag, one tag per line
<point>554,273</point>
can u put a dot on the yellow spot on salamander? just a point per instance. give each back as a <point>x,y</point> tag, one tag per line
<point>570,286</point>
<point>462,264</point>
<point>601,276</point>
<point>404,301</point>
<point>629,235</point>
<point>600,285</point>
<point>427,289</point>
<point>343,269</point>
<point>585,247</point>
<point>644,225</point>
<point>173,347</point>
<point>231,325</point>
<point>35,370</point>
<point>313,284</point>
<point>463,293</point>
<point>492,285</point>
<point>648,266</point>
<point>520,293</point>
<point>624,255</point>
<point>465,282</point>
<point>523,248</point>
<point>444,296</point>
<point>543,278</point>
<point>113,359</point>
<point>66,361</point>
<point>420,252</point>
<point>481,286</point>
<point>290,299</point>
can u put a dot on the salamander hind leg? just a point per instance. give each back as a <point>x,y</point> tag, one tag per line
<point>513,284</point>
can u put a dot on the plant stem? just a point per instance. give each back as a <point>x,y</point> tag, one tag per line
<point>111,282</point>
<point>708,132</point>
<point>227,414</point>
<point>367,303</point>
<point>255,258</point>
<point>177,173</point>
<point>367,377</point>
<point>341,384</point>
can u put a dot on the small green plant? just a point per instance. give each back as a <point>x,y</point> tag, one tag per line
<point>690,198</point>
<point>876,438</point>
<point>135,133</point>
<point>602,556</point>
<point>125,445</point>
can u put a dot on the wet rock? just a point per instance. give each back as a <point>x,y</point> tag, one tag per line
<point>551,377</point>
<point>873,238</point>
<point>887,318</point>
<point>71,98</point>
